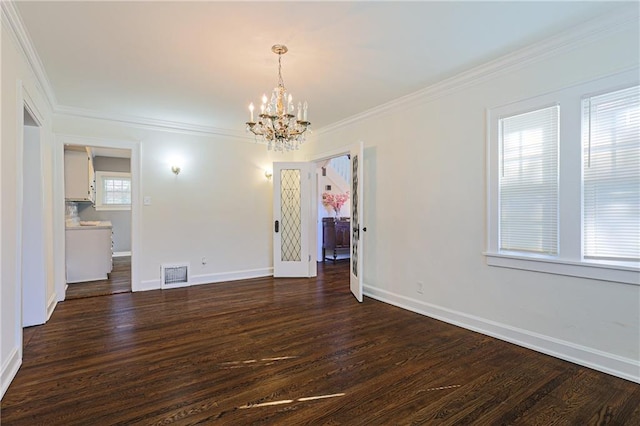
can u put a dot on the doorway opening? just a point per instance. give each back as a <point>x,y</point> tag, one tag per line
<point>334,208</point>
<point>32,260</point>
<point>98,221</point>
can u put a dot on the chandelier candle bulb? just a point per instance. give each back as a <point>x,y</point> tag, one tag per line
<point>251,109</point>
<point>304,111</point>
<point>299,111</point>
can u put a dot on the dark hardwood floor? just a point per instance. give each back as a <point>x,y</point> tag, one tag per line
<point>119,281</point>
<point>289,352</point>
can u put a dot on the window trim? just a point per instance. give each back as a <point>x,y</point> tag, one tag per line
<point>569,261</point>
<point>99,206</point>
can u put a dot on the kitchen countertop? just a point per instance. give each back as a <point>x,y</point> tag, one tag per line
<point>90,225</point>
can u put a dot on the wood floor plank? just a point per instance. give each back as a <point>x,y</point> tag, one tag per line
<point>290,351</point>
<point>118,281</point>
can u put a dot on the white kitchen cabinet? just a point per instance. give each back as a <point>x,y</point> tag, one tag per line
<point>88,252</point>
<point>79,176</point>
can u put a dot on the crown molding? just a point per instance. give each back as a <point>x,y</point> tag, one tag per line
<point>13,22</point>
<point>151,123</point>
<point>620,19</point>
<point>11,19</point>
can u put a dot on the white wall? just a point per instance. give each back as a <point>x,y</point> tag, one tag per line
<point>19,86</point>
<point>218,207</point>
<point>425,213</point>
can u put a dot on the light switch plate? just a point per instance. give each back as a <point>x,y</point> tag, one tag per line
<point>147,201</point>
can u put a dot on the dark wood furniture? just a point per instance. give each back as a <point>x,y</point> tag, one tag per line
<point>335,237</point>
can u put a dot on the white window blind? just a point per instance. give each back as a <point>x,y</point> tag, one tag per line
<point>611,176</point>
<point>528,182</point>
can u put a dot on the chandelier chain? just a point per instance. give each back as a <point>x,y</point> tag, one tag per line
<point>280,80</point>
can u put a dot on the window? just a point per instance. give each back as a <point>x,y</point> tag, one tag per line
<point>529,182</point>
<point>113,191</point>
<point>611,173</point>
<point>564,182</point>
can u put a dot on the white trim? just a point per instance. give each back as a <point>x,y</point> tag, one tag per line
<point>152,123</point>
<point>148,285</point>
<point>231,276</point>
<point>327,155</point>
<point>13,21</point>
<point>615,365</point>
<point>603,272</point>
<point>9,369</point>
<point>19,159</point>
<point>219,277</point>
<point>121,253</point>
<point>595,29</point>
<point>51,304</point>
<point>568,262</point>
<point>581,35</point>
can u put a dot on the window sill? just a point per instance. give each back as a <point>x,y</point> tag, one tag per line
<point>591,270</point>
<point>111,208</point>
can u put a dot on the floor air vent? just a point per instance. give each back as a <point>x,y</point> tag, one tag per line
<point>174,275</point>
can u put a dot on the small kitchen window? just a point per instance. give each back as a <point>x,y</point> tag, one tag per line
<point>113,191</point>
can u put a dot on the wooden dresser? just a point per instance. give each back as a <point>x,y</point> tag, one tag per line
<point>335,237</point>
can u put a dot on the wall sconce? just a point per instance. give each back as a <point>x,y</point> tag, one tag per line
<point>175,170</point>
<point>268,174</point>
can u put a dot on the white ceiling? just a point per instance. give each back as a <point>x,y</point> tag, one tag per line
<point>201,63</point>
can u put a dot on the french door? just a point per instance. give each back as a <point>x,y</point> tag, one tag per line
<point>357,181</point>
<point>291,219</point>
<point>292,216</point>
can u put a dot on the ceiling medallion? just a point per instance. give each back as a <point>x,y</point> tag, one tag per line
<point>279,125</point>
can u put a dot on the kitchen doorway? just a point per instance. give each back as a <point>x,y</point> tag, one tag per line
<point>97,221</point>
<point>98,198</point>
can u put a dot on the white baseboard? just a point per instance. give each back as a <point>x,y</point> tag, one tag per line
<point>147,285</point>
<point>615,365</point>
<point>121,253</point>
<point>212,278</point>
<point>51,305</point>
<point>230,276</point>
<point>9,370</point>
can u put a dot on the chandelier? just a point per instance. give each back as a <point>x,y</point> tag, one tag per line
<point>279,125</point>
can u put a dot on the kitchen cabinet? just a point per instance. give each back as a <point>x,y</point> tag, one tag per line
<point>88,252</point>
<point>79,176</point>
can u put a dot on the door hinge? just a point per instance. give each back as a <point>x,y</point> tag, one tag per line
<point>309,258</point>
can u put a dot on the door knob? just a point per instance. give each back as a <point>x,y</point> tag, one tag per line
<point>364,229</point>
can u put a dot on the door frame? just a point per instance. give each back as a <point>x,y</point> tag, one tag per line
<point>59,204</point>
<point>315,159</point>
<point>26,102</point>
